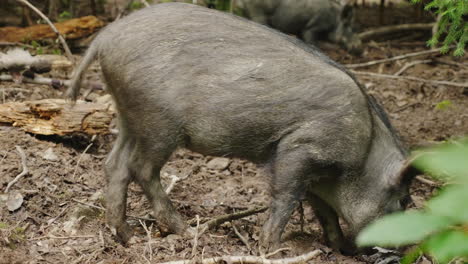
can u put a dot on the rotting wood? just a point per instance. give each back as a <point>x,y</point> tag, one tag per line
<point>71,29</point>
<point>372,33</point>
<point>57,117</point>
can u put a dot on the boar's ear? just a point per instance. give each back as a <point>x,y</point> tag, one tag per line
<point>407,173</point>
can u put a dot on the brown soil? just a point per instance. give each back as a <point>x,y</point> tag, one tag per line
<point>52,226</point>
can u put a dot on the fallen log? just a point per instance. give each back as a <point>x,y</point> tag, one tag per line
<point>70,29</point>
<point>381,31</point>
<point>57,117</point>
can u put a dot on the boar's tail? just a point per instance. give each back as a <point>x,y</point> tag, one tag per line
<point>75,84</point>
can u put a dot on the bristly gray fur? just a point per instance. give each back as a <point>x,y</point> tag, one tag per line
<point>187,76</point>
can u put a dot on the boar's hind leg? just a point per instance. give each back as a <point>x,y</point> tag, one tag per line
<point>148,177</point>
<point>330,225</point>
<point>287,189</point>
<point>118,176</point>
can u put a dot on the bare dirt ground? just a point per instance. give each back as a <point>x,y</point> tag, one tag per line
<point>60,221</point>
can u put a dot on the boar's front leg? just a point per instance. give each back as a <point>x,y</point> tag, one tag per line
<point>287,188</point>
<point>328,219</point>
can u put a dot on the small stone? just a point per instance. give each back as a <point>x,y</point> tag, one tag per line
<point>218,163</point>
<point>14,202</point>
<point>50,155</point>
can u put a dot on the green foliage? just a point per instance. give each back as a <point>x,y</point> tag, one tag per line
<point>65,15</point>
<point>57,52</point>
<point>37,47</point>
<point>452,25</point>
<point>443,105</point>
<point>134,5</point>
<point>441,227</point>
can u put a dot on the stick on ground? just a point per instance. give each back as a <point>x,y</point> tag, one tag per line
<point>410,78</point>
<point>23,164</point>
<point>241,237</point>
<point>253,259</point>
<point>409,65</point>
<point>404,56</point>
<point>372,33</point>
<point>211,223</point>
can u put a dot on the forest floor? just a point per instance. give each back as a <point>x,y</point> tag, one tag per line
<point>59,220</point>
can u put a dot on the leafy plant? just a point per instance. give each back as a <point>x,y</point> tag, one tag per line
<point>441,227</point>
<point>452,22</point>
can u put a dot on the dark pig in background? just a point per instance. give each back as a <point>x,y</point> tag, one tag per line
<point>187,76</point>
<point>310,20</point>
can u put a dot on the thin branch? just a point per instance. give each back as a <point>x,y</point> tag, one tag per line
<point>427,181</point>
<point>60,37</point>
<point>59,237</point>
<point>4,43</point>
<point>104,209</point>
<point>409,65</point>
<point>253,259</point>
<point>56,83</point>
<point>241,237</point>
<point>211,223</point>
<point>195,237</point>
<point>23,164</point>
<point>276,252</point>
<point>410,78</point>
<point>404,56</point>
<point>174,180</point>
<point>81,156</point>
<point>372,33</point>
<point>148,234</point>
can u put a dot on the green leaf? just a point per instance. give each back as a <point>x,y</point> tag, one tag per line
<point>452,203</point>
<point>448,159</point>
<point>411,256</point>
<point>401,228</point>
<point>447,245</point>
<point>443,105</point>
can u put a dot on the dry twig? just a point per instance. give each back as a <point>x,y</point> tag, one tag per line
<point>211,223</point>
<point>195,237</point>
<point>276,252</point>
<point>404,56</point>
<point>60,37</point>
<point>59,237</point>
<point>427,181</point>
<point>372,33</point>
<point>174,180</point>
<point>23,164</point>
<point>409,65</point>
<point>81,156</point>
<point>148,234</point>
<point>410,78</point>
<point>253,259</point>
<point>241,237</point>
<point>56,83</point>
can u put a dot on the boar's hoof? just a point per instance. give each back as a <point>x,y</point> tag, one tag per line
<point>122,233</point>
<point>348,250</point>
<point>267,246</point>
